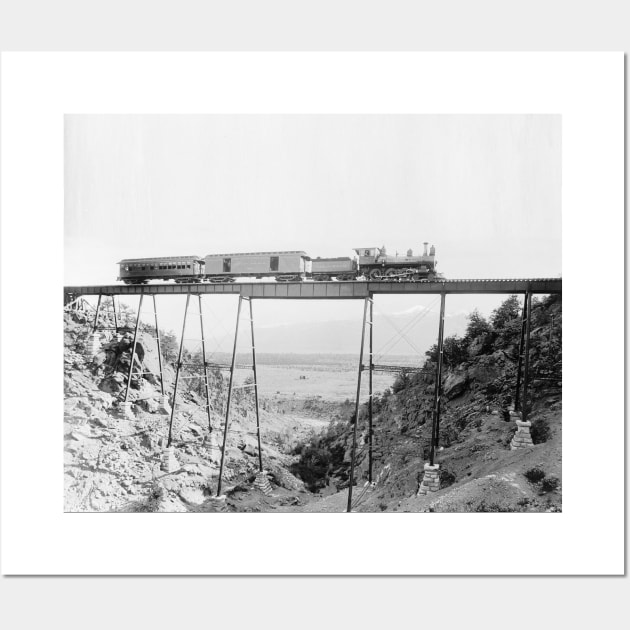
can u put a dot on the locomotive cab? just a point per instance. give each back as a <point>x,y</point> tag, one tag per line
<point>368,255</point>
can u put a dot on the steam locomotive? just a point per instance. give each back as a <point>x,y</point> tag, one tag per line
<point>369,263</point>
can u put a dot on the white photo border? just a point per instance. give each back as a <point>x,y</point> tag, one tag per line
<point>586,89</point>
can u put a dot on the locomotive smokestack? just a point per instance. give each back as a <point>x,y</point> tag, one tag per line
<point>424,253</point>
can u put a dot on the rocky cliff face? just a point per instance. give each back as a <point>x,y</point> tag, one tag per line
<point>115,463</point>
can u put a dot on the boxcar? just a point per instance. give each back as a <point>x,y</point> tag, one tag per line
<point>178,268</point>
<point>293,265</point>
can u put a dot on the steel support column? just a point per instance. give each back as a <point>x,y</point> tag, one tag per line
<point>524,410</point>
<point>179,365</point>
<point>519,367</point>
<point>356,408</point>
<point>371,393</point>
<point>98,308</point>
<point>205,367</point>
<point>229,399</point>
<point>159,346</point>
<point>133,348</point>
<point>251,320</point>
<point>115,315</point>
<point>435,427</point>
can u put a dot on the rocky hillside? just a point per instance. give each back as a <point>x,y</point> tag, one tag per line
<point>479,471</point>
<point>114,463</point>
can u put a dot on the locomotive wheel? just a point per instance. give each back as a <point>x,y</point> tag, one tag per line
<point>376,274</point>
<point>391,272</point>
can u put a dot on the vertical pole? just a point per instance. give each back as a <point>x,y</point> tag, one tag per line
<point>526,370</point>
<point>356,410</point>
<point>435,429</point>
<point>115,316</point>
<point>251,320</point>
<point>133,348</point>
<point>159,345</point>
<point>205,366</point>
<point>519,367</point>
<point>98,307</point>
<point>370,430</point>
<point>227,410</point>
<point>179,366</point>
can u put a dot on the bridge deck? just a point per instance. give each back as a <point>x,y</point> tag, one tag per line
<point>326,290</point>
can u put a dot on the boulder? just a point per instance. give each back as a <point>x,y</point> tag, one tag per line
<point>195,430</point>
<point>455,385</point>
<point>195,496</point>
<point>482,374</point>
<point>113,384</point>
<point>150,405</point>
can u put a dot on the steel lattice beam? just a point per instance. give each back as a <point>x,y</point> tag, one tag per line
<point>327,290</point>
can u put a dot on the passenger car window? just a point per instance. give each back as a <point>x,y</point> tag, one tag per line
<point>274,263</point>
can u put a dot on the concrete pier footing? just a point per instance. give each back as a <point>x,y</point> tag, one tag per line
<point>431,479</point>
<point>165,407</point>
<point>522,438</point>
<point>169,460</point>
<point>93,345</point>
<point>126,410</point>
<point>262,483</point>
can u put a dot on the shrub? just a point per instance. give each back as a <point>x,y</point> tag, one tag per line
<point>402,382</point>
<point>482,506</point>
<point>447,478</point>
<point>313,466</point>
<point>455,351</point>
<point>508,311</point>
<point>540,431</point>
<point>156,495</point>
<point>478,325</point>
<point>550,484</point>
<point>534,475</point>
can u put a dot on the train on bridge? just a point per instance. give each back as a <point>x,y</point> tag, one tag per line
<point>372,263</point>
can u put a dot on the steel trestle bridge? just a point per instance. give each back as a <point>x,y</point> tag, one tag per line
<point>248,292</point>
<point>326,290</point>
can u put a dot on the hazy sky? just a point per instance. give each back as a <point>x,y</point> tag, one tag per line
<point>485,190</point>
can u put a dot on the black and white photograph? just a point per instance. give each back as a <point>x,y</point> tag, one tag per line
<point>313,313</point>
<point>247,286</point>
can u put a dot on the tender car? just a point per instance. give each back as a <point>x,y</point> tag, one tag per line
<point>342,268</point>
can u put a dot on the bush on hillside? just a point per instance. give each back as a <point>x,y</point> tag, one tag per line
<point>535,474</point>
<point>478,325</point>
<point>454,352</point>
<point>540,431</point>
<point>505,314</point>
<point>550,484</point>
